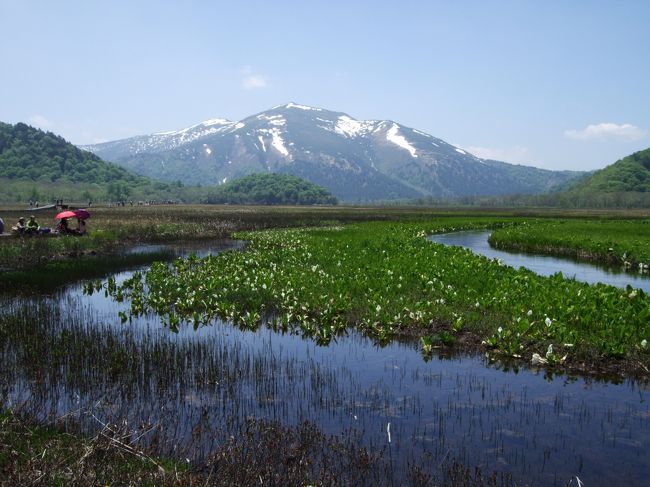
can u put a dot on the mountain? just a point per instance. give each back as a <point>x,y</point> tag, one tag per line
<point>35,164</point>
<point>355,160</point>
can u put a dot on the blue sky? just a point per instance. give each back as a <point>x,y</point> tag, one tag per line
<point>556,84</point>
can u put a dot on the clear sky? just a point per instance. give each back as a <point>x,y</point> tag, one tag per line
<point>556,84</point>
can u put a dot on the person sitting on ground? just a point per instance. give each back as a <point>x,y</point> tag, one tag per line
<point>62,227</point>
<point>81,226</point>
<point>19,227</point>
<point>32,226</point>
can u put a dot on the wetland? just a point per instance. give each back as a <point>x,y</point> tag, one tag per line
<point>361,373</point>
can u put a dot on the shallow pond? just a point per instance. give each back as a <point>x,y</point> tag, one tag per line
<point>477,242</point>
<point>186,391</point>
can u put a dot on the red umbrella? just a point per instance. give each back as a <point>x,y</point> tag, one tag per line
<point>81,214</point>
<point>65,214</point>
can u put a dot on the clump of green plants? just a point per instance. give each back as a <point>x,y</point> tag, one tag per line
<point>387,280</point>
<point>617,242</point>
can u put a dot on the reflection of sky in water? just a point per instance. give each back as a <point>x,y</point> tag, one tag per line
<point>543,430</point>
<point>477,242</point>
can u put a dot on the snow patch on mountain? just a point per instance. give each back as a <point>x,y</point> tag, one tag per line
<point>277,120</point>
<point>222,122</point>
<point>276,140</point>
<point>352,128</point>
<point>422,133</point>
<point>393,136</point>
<point>461,151</point>
<point>302,107</point>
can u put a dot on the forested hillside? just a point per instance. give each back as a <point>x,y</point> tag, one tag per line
<point>41,165</point>
<point>632,173</point>
<point>271,189</point>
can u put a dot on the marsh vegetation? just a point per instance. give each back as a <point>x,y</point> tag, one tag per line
<point>331,351</point>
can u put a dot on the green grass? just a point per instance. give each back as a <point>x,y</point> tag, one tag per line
<point>387,280</point>
<point>606,241</point>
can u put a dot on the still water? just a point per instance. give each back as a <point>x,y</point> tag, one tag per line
<point>197,387</point>
<point>477,242</point>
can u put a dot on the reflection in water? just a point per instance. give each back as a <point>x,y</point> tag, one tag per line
<point>196,388</point>
<point>477,242</point>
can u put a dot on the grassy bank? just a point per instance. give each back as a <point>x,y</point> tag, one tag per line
<point>388,281</point>
<point>606,241</point>
<point>31,454</point>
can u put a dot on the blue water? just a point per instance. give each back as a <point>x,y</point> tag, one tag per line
<point>477,242</point>
<point>543,429</point>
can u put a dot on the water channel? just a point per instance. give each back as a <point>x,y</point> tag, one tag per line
<point>477,242</point>
<point>200,386</point>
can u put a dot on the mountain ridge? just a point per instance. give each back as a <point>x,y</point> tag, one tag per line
<point>356,160</point>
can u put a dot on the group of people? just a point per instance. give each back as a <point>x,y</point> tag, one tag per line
<point>63,228</point>
<point>31,227</point>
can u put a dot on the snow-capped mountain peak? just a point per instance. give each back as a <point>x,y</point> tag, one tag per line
<point>355,159</point>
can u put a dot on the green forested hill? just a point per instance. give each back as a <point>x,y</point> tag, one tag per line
<point>632,173</point>
<point>624,184</point>
<point>271,189</point>
<point>43,166</point>
<point>27,153</point>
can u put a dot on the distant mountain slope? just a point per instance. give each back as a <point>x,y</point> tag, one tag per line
<point>27,153</point>
<point>41,165</point>
<point>355,160</point>
<point>630,174</point>
<point>271,189</point>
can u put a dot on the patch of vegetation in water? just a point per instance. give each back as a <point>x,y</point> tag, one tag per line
<point>78,266</point>
<point>619,242</point>
<point>387,280</point>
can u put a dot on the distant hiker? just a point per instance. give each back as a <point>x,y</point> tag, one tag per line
<point>32,226</point>
<point>19,228</point>
<point>2,226</point>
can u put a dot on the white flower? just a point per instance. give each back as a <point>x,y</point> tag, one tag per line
<point>530,312</point>
<point>644,343</point>
<point>538,360</point>
<point>378,308</point>
<point>549,351</point>
<point>548,321</point>
<point>500,330</point>
<point>477,304</point>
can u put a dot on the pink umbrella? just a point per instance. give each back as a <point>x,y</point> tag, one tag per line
<point>65,214</point>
